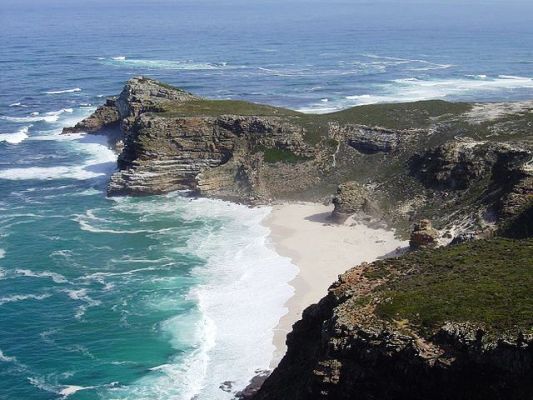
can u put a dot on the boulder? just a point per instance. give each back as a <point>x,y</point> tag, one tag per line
<point>352,198</point>
<point>423,235</point>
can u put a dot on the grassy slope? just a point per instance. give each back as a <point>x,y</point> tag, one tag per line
<point>484,282</point>
<point>420,114</point>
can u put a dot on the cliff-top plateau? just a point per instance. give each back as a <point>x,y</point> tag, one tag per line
<point>453,319</point>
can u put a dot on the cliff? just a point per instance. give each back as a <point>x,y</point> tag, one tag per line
<point>445,323</point>
<point>451,323</point>
<point>464,166</point>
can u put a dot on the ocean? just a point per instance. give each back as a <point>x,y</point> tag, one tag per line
<point>168,297</point>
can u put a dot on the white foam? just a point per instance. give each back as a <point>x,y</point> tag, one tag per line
<point>2,253</point>
<point>166,64</point>
<point>480,76</point>
<point>57,278</point>
<point>71,389</point>
<point>17,104</point>
<point>21,297</point>
<point>16,137</point>
<point>50,117</point>
<point>32,118</point>
<point>415,89</point>
<point>81,295</point>
<point>101,161</point>
<point>5,358</point>
<point>229,339</point>
<point>63,91</point>
<point>90,222</point>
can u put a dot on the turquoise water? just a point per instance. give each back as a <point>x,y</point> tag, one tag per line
<point>130,297</point>
<point>167,297</point>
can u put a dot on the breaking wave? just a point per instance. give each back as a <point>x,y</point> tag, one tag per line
<point>417,89</point>
<point>63,91</point>
<point>21,297</point>
<point>165,64</point>
<point>16,137</point>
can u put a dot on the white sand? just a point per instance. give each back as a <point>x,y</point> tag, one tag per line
<point>321,251</point>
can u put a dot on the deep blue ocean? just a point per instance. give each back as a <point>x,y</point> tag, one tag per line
<point>166,297</point>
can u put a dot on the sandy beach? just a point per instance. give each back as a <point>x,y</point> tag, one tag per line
<point>321,251</point>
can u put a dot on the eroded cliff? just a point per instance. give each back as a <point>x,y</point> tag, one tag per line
<point>448,324</point>
<point>465,168</point>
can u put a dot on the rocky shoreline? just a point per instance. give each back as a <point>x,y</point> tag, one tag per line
<point>457,171</point>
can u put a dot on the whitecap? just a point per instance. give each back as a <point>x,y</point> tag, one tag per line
<point>226,337</point>
<point>5,358</point>
<point>167,64</point>
<point>40,383</point>
<point>21,297</point>
<point>63,91</point>
<point>89,222</point>
<point>71,389</point>
<point>2,253</point>
<point>17,104</point>
<point>101,161</point>
<point>480,76</point>
<point>81,295</point>
<point>16,137</point>
<point>31,118</point>
<point>57,278</point>
<point>63,110</point>
<point>417,89</point>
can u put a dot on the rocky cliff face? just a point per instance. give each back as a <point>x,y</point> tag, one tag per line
<point>394,162</point>
<point>162,154</point>
<point>406,329</point>
<point>106,116</point>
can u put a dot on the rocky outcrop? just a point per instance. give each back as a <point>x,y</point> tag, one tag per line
<point>481,184</point>
<point>423,236</point>
<point>168,147</point>
<point>170,139</point>
<point>458,165</point>
<point>209,155</point>
<point>358,343</point>
<point>369,140</point>
<point>105,117</point>
<point>143,95</point>
<point>352,198</point>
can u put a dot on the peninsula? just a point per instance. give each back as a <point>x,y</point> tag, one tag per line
<point>453,317</point>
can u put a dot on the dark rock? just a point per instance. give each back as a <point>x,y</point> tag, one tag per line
<point>105,117</point>
<point>369,140</point>
<point>253,387</point>
<point>458,165</point>
<point>464,237</point>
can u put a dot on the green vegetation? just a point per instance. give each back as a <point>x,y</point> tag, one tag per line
<point>418,114</point>
<point>167,86</point>
<point>220,107</point>
<point>277,155</point>
<point>485,282</point>
<point>415,115</point>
